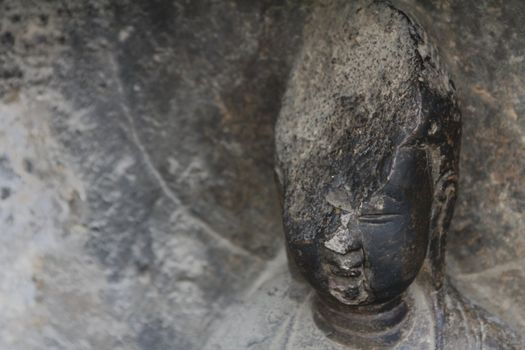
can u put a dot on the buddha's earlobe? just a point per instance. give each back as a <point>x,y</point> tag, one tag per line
<point>445,194</point>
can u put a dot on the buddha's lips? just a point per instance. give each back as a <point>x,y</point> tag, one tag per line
<point>347,266</point>
<point>345,270</point>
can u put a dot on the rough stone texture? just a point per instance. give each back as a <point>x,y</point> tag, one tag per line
<point>136,155</point>
<point>126,131</point>
<point>483,46</point>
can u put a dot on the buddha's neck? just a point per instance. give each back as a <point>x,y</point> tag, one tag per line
<point>372,326</point>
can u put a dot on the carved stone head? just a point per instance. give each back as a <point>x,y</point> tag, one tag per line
<point>367,152</point>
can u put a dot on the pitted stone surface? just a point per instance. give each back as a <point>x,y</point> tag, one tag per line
<point>136,163</point>
<point>126,130</point>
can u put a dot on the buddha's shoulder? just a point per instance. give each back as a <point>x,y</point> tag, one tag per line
<point>470,327</point>
<point>273,315</point>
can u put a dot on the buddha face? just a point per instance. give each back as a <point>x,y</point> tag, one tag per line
<point>375,246</point>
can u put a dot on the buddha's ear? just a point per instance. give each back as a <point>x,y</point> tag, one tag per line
<point>445,194</point>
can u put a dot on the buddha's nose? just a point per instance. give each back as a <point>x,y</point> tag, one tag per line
<point>345,239</point>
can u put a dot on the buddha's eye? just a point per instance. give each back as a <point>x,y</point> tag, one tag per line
<point>380,210</point>
<point>378,217</point>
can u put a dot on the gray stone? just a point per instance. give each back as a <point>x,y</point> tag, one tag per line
<point>136,164</point>
<point>483,47</point>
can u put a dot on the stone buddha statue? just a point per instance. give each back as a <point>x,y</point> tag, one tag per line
<point>367,151</point>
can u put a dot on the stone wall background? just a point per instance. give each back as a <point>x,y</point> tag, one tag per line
<point>136,151</point>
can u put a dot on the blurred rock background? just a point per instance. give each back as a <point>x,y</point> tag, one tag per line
<point>137,198</point>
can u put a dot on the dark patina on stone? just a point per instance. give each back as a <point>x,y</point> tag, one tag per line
<point>367,147</point>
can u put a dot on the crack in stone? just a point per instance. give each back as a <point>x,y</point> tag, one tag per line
<point>160,180</point>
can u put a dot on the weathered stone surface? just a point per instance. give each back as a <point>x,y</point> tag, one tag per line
<point>482,44</point>
<point>136,153</point>
<point>127,130</point>
<point>366,83</point>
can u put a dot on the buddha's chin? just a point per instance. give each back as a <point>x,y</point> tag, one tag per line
<point>346,291</point>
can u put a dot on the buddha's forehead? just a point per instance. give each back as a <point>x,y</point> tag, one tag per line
<point>356,93</point>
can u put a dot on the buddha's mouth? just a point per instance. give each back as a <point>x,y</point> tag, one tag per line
<point>353,272</point>
<point>344,265</point>
<point>346,279</point>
